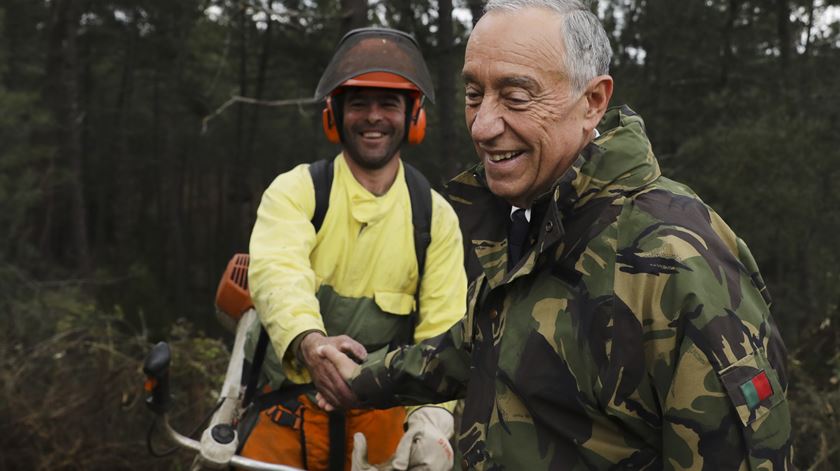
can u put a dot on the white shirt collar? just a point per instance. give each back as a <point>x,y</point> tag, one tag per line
<point>527,212</point>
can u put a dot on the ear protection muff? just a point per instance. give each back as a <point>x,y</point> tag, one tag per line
<point>415,125</point>
<point>329,123</point>
<point>416,122</point>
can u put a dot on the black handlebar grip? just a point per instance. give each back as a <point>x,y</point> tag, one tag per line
<point>156,368</point>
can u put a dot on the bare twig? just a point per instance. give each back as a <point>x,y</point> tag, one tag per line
<point>253,101</point>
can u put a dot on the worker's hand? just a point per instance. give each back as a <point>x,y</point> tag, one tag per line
<point>425,444</point>
<point>358,459</point>
<point>345,368</point>
<point>328,381</point>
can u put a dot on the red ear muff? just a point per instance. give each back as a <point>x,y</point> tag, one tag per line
<point>330,126</point>
<point>417,123</point>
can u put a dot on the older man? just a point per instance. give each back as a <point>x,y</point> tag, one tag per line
<point>614,321</point>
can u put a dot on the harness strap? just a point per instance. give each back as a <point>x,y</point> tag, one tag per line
<point>420,196</point>
<point>282,396</point>
<point>338,440</point>
<point>322,178</point>
<point>255,368</point>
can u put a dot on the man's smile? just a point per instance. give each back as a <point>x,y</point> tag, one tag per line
<point>497,156</point>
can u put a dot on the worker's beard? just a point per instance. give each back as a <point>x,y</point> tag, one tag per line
<point>372,154</point>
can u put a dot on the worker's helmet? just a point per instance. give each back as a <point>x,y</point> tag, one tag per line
<point>380,58</point>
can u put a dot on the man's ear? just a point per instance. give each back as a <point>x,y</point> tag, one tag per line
<point>598,94</point>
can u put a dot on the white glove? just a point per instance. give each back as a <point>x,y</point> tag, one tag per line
<point>358,460</point>
<point>425,444</point>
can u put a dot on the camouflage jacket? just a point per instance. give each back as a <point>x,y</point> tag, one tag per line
<point>635,334</point>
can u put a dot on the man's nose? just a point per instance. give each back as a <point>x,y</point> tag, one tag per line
<point>488,123</point>
<point>374,112</point>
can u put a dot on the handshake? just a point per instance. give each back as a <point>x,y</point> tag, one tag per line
<point>425,444</point>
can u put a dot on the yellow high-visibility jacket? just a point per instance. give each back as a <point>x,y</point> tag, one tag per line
<point>358,275</point>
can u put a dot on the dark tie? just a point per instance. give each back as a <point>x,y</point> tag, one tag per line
<point>517,238</point>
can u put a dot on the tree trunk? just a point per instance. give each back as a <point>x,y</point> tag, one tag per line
<point>63,99</point>
<point>476,9</point>
<point>262,69</point>
<point>243,91</point>
<point>235,192</point>
<point>726,47</point>
<point>446,89</point>
<point>805,75</point>
<point>353,15</point>
<point>405,17</point>
<point>783,29</point>
<point>125,164</point>
<point>242,187</point>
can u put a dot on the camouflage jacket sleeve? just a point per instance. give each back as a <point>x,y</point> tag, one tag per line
<point>713,351</point>
<point>434,370</point>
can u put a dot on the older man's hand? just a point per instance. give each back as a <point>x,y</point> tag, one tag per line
<point>345,367</point>
<point>329,382</point>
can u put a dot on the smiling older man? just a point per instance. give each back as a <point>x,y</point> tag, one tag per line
<point>628,327</point>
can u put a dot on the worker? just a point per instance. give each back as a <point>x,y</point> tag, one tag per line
<point>375,260</point>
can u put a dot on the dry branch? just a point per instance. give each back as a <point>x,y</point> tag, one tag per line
<point>253,101</point>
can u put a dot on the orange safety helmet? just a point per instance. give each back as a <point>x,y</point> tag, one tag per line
<point>377,58</point>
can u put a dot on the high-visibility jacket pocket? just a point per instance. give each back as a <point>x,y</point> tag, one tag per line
<point>400,304</point>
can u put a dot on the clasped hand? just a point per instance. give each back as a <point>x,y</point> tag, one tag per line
<point>330,365</point>
<point>425,445</point>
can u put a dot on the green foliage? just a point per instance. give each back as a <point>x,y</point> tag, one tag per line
<point>777,212</point>
<point>815,400</point>
<point>72,384</point>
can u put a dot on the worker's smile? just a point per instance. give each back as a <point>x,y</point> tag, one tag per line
<point>374,136</point>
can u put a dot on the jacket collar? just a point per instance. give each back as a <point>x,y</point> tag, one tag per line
<point>366,207</point>
<point>618,162</point>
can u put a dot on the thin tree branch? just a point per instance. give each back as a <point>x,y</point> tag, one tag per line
<point>253,101</point>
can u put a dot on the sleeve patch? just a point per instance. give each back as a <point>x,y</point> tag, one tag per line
<point>756,390</point>
<point>753,387</point>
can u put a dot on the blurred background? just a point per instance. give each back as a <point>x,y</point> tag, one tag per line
<point>137,136</point>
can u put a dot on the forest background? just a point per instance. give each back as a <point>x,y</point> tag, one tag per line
<point>130,174</point>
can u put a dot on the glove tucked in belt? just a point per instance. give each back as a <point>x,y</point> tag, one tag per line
<point>425,444</point>
<point>426,440</point>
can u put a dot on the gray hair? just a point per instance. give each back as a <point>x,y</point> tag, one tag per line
<point>588,50</point>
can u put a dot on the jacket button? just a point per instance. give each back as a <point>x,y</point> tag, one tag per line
<point>549,226</point>
<point>493,313</point>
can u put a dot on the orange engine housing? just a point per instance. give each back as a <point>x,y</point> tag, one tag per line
<point>232,296</point>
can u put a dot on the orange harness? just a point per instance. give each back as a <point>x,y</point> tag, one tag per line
<point>297,433</point>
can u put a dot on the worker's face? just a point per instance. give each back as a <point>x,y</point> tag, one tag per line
<point>374,125</point>
<point>526,123</point>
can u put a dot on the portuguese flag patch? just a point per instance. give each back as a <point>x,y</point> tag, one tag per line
<point>756,390</point>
